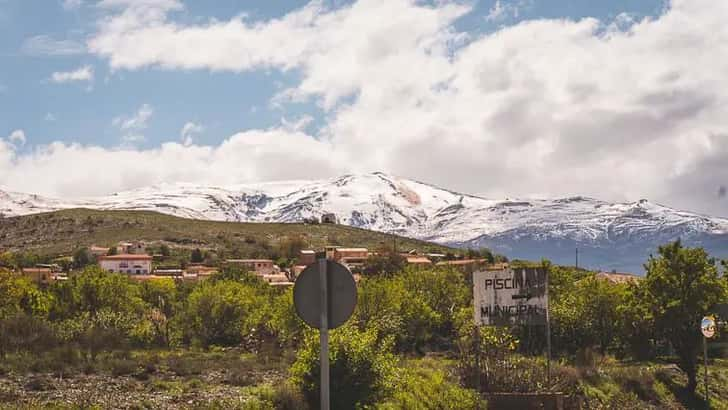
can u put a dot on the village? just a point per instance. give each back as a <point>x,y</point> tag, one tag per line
<point>137,260</point>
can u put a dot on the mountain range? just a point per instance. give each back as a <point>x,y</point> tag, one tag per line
<point>608,236</point>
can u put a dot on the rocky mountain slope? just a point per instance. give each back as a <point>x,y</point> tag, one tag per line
<point>609,235</point>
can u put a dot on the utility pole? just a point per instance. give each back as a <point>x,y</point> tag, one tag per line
<point>577,258</point>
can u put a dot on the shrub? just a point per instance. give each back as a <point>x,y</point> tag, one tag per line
<point>39,383</point>
<point>428,387</point>
<point>361,367</point>
<point>240,375</point>
<point>221,312</point>
<point>185,365</point>
<point>123,367</point>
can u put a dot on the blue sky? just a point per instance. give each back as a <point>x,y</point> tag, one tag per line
<point>615,99</point>
<point>83,111</point>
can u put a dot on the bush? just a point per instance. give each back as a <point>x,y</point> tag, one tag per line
<point>39,383</point>
<point>123,367</point>
<point>361,368</point>
<point>224,312</point>
<point>428,387</point>
<point>240,375</point>
<point>416,307</point>
<point>185,365</point>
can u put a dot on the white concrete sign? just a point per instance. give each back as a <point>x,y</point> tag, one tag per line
<point>511,296</point>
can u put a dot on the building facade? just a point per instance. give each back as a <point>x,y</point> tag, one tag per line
<point>127,263</point>
<point>259,266</point>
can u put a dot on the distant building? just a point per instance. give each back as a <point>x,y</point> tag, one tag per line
<point>329,218</point>
<point>127,263</point>
<point>351,256</point>
<point>131,248</point>
<point>41,276</point>
<point>616,277</point>
<point>306,257</point>
<point>171,273</point>
<point>259,266</point>
<point>200,271</point>
<point>98,250</point>
<point>418,260</point>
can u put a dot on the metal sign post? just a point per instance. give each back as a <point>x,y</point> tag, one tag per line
<point>705,365</point>
<point>548,336</point>
<point>324,336</point>
<point>325,297</point>
<point>707,328</point>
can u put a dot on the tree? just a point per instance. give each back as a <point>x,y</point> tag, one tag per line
<point>112,251</point>
<point>681,285</point>
<point>93,290</point>
<point>362,367</point>
<point>164,250</point>
<point>196,256</point>
<point>223,312</point>
<point>384,262</point>
<point>81,258</point>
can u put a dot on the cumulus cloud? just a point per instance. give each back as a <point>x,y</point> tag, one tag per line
<point>84,73</point>
<point>44,45</point>
<point>618,109</point>
<point>133,126</point>
<point>189,131</point>
<point>503,10</point>
<point>244,157</point>
<point>17,137</point>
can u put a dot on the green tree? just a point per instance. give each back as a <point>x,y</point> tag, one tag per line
<point>164,250</point>
<point>95,289</point>
<point>19,295</point>
<point>160,295</point>
<point>585,312</point>
<point>196,256</point>
<point>112,251</point>
<point>681,285</point>
<point>223,312</point>
<point>81,258</point>
<point>362,367</point>
<point>385,261</point>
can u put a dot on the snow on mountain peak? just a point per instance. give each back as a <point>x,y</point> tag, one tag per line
<point>383,202</point>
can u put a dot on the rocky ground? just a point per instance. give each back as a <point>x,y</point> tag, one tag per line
<point>243,384</point>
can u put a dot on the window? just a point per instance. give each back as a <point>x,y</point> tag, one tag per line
<point>138,271</point>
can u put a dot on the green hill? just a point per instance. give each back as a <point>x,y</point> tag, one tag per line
<point>63,231</point>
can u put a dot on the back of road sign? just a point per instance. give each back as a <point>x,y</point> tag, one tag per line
<point>341,294</point>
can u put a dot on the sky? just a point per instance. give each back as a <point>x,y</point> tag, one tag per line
<point>616,99</point>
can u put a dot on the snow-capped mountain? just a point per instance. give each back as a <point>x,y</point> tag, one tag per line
<point>608,235</point>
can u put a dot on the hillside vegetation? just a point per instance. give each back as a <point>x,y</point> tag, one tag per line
<point>63,231</point>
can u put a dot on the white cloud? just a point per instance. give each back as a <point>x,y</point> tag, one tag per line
<point>613,109</point>
<point>17,137</point>
<point>85,73</point>
<point>298,124</point>
<point>133,126</point>
<point>189,131</point>
<point>45,45</point>
<point>505,9</point>
<point>254,155</point>
<point>49,117</point>
<point>71,4</point>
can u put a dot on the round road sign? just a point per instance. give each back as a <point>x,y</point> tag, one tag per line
<point>707,326</point>
<point>341,294</point>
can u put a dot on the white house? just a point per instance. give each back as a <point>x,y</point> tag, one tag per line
<point>127,263</point>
